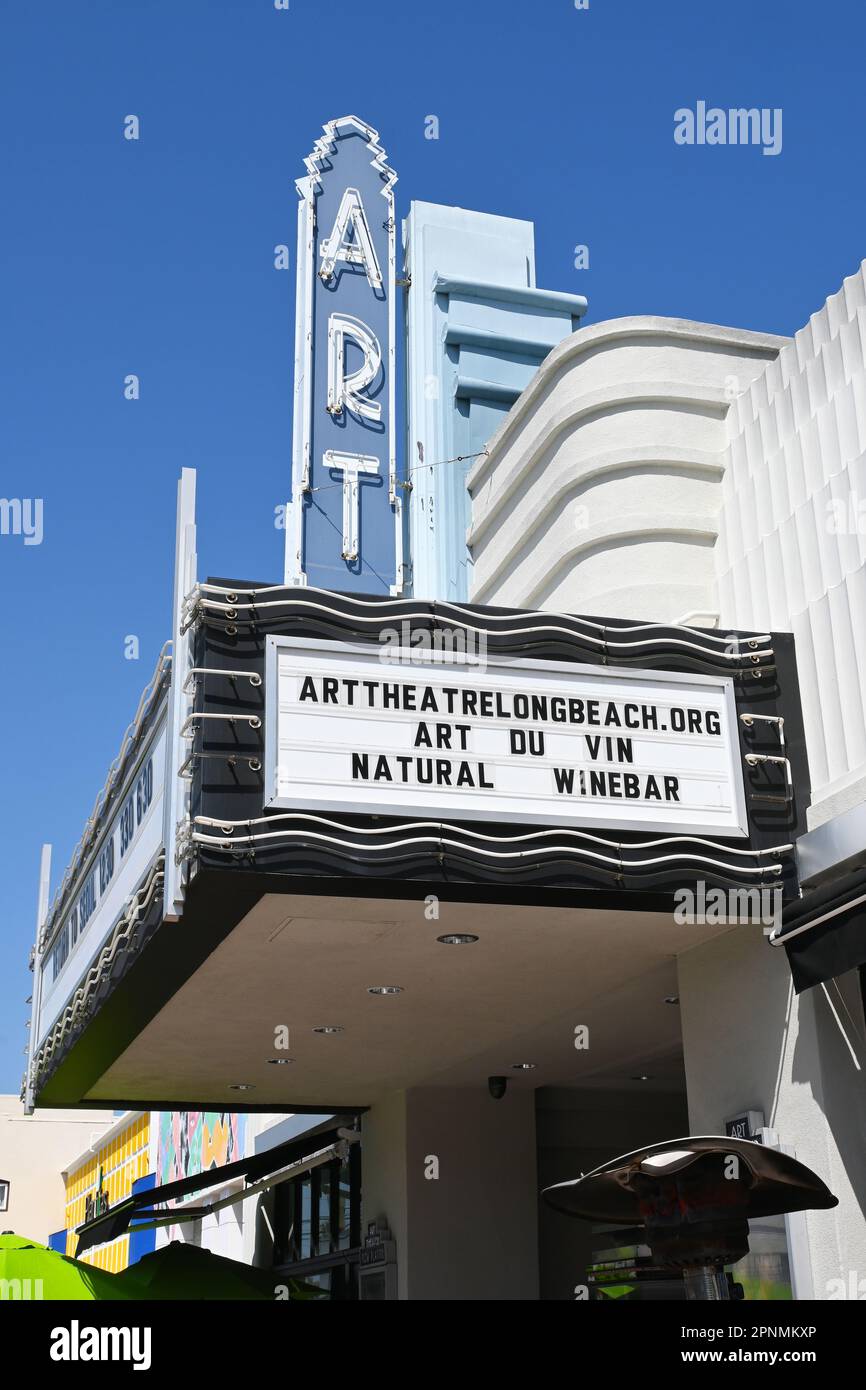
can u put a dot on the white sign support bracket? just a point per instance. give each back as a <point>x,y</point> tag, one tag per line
<point>180,700</point>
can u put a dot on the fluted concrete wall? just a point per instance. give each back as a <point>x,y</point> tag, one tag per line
<point>602,490</point>
<point>792,538</point>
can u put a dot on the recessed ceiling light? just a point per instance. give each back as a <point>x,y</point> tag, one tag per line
<point>457,938</point>
<point>330,1028</point>
<point>644,1076</point>
<point>672,998</point>
<point>523,1066</point>
<point>385,989</point>
<point>280,1061</point>
<point>243,1086</point>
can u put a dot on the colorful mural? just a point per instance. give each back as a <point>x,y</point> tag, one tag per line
<point>189,1141</point>
<point>192,1141</point>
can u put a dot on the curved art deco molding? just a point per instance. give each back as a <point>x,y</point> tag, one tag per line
<point>659,395</point>
<point>607,535</point>
<point>613,333</point>
<point>562,483</point>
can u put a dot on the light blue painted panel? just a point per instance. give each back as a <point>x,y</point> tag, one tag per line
<point>505,368</point>
<point>477,330</point>
<point>510,319</point>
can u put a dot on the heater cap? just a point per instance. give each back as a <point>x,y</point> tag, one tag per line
<point>616,1191</point>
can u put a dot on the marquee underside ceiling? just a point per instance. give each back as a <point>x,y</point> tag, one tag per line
<point>304,962</point>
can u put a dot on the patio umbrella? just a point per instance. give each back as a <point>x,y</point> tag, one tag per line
<point>29,1270</point>
<point>182,1271</point>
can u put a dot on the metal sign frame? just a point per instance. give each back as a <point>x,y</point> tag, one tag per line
<point>577,812</point>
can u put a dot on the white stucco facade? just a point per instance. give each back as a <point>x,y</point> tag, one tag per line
<point>679,472</point>
<point>34,1151</point>
<point>601,492</point>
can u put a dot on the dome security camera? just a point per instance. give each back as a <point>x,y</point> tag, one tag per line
<point>496,1085</point>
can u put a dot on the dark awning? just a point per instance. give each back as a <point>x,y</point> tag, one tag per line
<point>824,933</point>
<point>116,1221</point>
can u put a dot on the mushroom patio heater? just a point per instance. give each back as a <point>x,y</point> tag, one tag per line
<point>694,1197</point>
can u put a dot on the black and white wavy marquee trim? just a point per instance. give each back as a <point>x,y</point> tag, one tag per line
<point>504,631</point>
<point>518,853</point>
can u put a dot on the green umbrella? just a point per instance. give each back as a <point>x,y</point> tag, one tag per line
<point>182,1271</point>
<point>29,1270</point>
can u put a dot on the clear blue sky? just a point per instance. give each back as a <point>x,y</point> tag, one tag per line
<point>156,257</point>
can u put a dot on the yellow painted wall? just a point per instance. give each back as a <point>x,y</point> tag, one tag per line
<point>123,1160</point>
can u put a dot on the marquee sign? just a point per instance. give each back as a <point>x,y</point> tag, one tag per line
<point>113,870</point>
<point>532,742</point>
<point>345,528</point>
